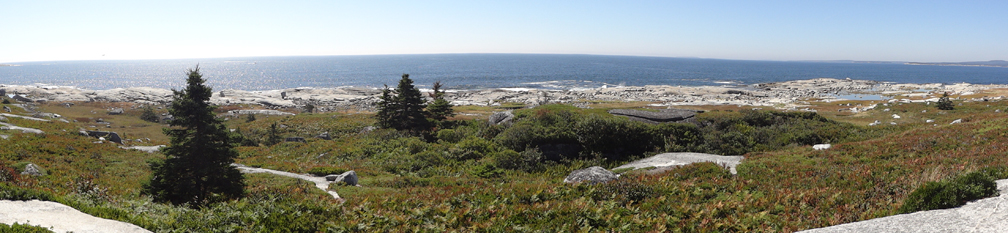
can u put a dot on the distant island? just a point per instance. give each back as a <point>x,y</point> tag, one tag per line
<point>991,63</point>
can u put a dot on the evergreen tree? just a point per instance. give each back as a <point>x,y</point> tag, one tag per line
<point>274,135</point>
<point>198,168</point>
<point>386,107</point>
<point>404,110</point>
<point>944,103</point>
<point>439,109</point>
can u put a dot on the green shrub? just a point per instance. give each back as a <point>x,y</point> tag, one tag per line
<point>996,173</point>
<point>6,101</point>
<point>676,137</point>
<point>472,148</point>
<point>324,171</point>
<point>703,171</point>
<point>22,228</point>
<point>149,115</point>
<point>624,190</point>
<point>449,135</point>
<point>528,160</point>
<point>486,171</point>
<point>950,193</point>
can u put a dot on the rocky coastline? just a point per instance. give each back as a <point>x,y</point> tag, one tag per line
<point>781,95</point>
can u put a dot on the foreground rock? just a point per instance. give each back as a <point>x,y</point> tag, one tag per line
<point>591,175</point>
<point>111,136</point>
<point>348,178</point>
<point>666,161</point>
<point>320,182</point>
<point>5,126</point>
<point>32,170</point>
<point>59,217</point>
<point>984,215</point>
<point>500,118</point>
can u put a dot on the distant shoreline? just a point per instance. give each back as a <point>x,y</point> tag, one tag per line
<point>992,63</point>
<point>781,95</point>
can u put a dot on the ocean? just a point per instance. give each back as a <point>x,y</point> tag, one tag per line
<point>472,71</point>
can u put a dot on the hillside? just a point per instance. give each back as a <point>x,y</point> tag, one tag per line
<point>473,176</point>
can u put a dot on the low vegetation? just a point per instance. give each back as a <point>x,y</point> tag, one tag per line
<point>954,192</point>
<point>22,228</point>
<point>472,176</point>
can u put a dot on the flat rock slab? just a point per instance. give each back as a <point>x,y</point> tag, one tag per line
<point>320,182</point>
<point>663,115</point>
<point>59,218</point>
<point>666,161</point>
<point>984,215</point>
<point>23,117</point>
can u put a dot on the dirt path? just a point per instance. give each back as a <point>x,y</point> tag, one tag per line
<point>59,218</point>
<point>320,182</point>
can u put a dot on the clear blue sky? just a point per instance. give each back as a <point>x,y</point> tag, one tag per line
<point>40,30</point>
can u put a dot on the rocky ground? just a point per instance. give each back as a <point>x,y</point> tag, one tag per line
<point>59,218</point>
<point>784,95</point>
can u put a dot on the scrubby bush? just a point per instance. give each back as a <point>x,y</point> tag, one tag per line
<point>624,190</point>
<point>950,193</point>
<point>450,135</point>
<point>614,136</point>
<point>472,148</point>
<point>702,171</point>
<point>22,228</point>
<point>529,160</point>
<point>486,171</point>
<point>149,115</point>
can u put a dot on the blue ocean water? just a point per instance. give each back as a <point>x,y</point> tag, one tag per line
<point>471,71</point>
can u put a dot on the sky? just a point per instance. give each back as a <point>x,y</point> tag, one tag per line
<point>922,31</point>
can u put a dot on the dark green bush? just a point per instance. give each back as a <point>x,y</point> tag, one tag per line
<point>676,137</point>
<point>6,101</point>
<point>450,135</point>
<point>22,228</point>
<point>472,148</point>
<point>149,115</point>
<point>950,193</point>
<point>528,160</point>
<point>486,171</point>
<point>324,171</point>
<point>616,137</point>
<point>8,192</point>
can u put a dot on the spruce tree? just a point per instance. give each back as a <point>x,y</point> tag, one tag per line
<point>404,110</point>
<point>198,168</point>
<point>386,107</point>
<point>944,103</point>
<point>439,109</point>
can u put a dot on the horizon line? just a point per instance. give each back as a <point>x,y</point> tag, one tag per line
<point>403,54</point>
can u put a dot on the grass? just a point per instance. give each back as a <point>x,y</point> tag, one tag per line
<point>416,184</point>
